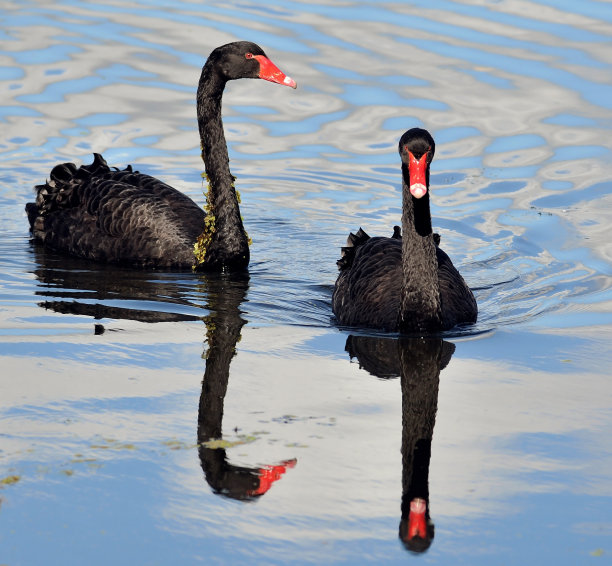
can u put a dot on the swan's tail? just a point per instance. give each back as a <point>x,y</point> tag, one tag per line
<point>348,251</point>
<point>62,190</point>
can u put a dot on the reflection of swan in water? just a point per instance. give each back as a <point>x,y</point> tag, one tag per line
<point>223,332</point>
<point>78,287</point>
<point>418,362</point>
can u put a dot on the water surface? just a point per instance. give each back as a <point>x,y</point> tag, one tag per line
<point>114,380</point>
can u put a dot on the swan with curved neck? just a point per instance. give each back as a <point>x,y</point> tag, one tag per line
<point>405,283</point>
<point>126,217</point>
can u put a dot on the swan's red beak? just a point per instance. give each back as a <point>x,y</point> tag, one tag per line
<point>417,523</point>
<point>418,175</point>
<point>269,474</point>
<point>270,72</point>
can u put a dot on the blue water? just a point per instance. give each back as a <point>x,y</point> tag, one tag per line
<point>105,371</point>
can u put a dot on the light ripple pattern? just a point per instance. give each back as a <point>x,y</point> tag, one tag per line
<point>110,376</point>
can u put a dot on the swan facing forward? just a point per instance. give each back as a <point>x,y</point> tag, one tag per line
<point>405,283</point>
<point>126,217</point>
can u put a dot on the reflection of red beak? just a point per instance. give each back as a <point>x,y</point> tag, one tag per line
<point>270,72</point>
<point>269,474</point>
<point>418,175</point>
<point>417,524</point>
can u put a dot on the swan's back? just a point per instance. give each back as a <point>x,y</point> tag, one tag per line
<point>368,288</point>
<point>457,300</point>
<point>103,214</point>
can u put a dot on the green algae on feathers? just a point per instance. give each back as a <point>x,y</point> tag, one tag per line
<point>205,238</point>
<point>249,239</point>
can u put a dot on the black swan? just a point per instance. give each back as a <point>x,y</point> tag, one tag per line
<point>129,218</point>
<point>405,283</point>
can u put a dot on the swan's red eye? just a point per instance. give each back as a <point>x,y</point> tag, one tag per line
<point>249,55</point>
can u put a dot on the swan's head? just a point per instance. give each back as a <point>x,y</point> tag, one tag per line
<point>246,60</point>
<point>417,531</point>
<point>417,148</point>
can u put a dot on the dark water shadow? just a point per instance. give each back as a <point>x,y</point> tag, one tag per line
<point>418,362</point>
<point>77,287</point>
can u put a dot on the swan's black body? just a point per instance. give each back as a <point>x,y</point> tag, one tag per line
<point>404,283</point>
<point>125,217</point>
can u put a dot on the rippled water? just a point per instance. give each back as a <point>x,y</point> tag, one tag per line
<point>113,380</point>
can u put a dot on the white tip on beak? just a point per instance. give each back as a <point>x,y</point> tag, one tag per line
<point>418,190</point>
<point>289,82</point>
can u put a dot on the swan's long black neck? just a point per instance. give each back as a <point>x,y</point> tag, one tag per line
<point>420,308</point>
<point>420,376</point>
<point>223,328</point>
<point>229,245</point>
